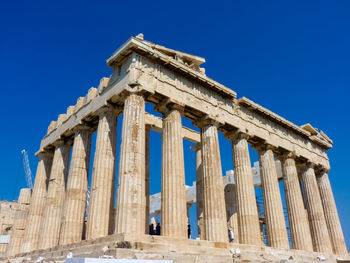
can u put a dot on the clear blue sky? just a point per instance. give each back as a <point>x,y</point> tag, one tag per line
<point>290,56</point>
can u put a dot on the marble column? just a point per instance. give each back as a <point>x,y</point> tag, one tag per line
<point>247,212</point>
<point>199,189</point>
<point>147,194</point>
<point>131,199</point>
<point>173,193</point>
<point>101,203</point>
<point>331,214</point>
<point>55,196</point>
<point>214,210</point>
<point>298,221</point>
<point>37,203</point>
<point>231,210</point>
<point>318,226</point>
<point>188,206</point>
<point>273,209</point>
<point>3,249</point>
<point>76,193</point>
<point>20,222</point>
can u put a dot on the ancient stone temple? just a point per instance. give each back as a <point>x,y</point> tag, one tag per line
<point>58,223</point>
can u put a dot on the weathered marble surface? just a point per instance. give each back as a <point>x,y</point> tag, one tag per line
<point>20,222</point>
<point>318,227</point>
<point>148,73</point>
<point>131,199</point>
<point>298,221</point>
<point>51,221</point>
<point>37,203</point>
<point>73,213</point>
<point>174,223</point>
<point>273,210</point>
<point>101,205</point>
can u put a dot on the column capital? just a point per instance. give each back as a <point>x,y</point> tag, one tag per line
<point>168,104</point>
<point>62,141</point>
<point>236,135</point>
<point>82,127</point>
<point>108,108</point>
<point>196,147</point>
<point>206,121</point>
<point>285,156</point>
<point>45,154</point>
<point>135,90</point>
<point>263,147</point>
<point>321,170</point>
<point>309,164</point>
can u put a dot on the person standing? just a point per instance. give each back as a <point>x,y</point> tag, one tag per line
<point>231,235</point>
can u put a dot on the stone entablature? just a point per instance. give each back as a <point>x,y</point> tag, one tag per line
<point>162,77</point>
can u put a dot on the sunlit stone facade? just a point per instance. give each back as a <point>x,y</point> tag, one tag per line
<point>176,84</point>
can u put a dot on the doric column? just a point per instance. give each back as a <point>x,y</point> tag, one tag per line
<point>231,209</point>
<point>147,195</point>
<point>273,209</point>
<point>318,227</point>
<point>37,203</point>
<point>214,210</point>
<point>247,212</point>
<point>173,193</point>
<point>75,201</point>
<point>199,190</point>
<point>101,202</point>
<point>331,214</point>
<point>188,206</point>
<point>20,222</point>
<point>3,249</point>
<point>55,196</point>
<point>298,221</point>
<point>131,201</point>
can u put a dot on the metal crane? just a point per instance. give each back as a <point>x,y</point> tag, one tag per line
<point>27,170</point>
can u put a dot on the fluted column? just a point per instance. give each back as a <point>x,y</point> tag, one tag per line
<point>101,203</point>
<point>273,209</point>
<point>131,201</point>
<point>3,249</point>
<point>55,196</point>
<point>318,227</point>
<point>298,221</point>
<point>247,212</point>
<point>147,195</point>
<point>199,189</point>
<point>331,214</point>
<point>173,201</point>
<point>231,209</point>
<point>20,222</point>
<point>214,210</point>
<point>75,201</point>
<point>37,203</point>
